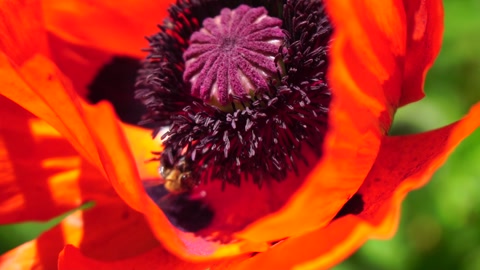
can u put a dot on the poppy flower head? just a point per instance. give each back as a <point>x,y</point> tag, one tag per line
<point>308,213</point>
<point>242,95</point>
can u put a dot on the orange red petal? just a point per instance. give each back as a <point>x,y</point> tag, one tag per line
<point>372,46</point>
<point>22,30</point>
<point>93,232</point>
<point>424,39</point>
<point>59,106</point>
<point>158,258</point>
<point>79,63</point>
<point>40,171</point>
<point>363,75</point>
<point>113,26</point>
<point>403,164</point>
<point>366,74</point>
<point>43,177</point>
<point>122,172</point>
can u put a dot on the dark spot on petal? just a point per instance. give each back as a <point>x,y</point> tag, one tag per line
<point>125,215</point>
<point>353,206</point>
<point>272,244</point>
<point>115,83</point>
<point>184,213</point>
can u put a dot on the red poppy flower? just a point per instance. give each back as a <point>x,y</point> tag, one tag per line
<point>57,151</point>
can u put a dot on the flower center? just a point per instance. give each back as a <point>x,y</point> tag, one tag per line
<point>233,55</point>
<point>228,44</point>
<point>210,54</point>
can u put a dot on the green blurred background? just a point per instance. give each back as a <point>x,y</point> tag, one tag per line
<point>440,224</point>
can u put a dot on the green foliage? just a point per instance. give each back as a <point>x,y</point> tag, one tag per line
<point>13,235</point>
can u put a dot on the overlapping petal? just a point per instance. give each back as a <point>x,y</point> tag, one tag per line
<point>41,173</point>
<point>93,232</point>
<point>369,50</point>
<point>42,177</point>
<point>404,163</point>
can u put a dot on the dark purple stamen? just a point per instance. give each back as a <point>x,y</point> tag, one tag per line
<point>233,54</point>
<point>262,134</point>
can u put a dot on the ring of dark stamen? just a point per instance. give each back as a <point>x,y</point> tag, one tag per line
<point>264,140</point>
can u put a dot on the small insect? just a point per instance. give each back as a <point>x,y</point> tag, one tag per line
<point>178,178</point>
